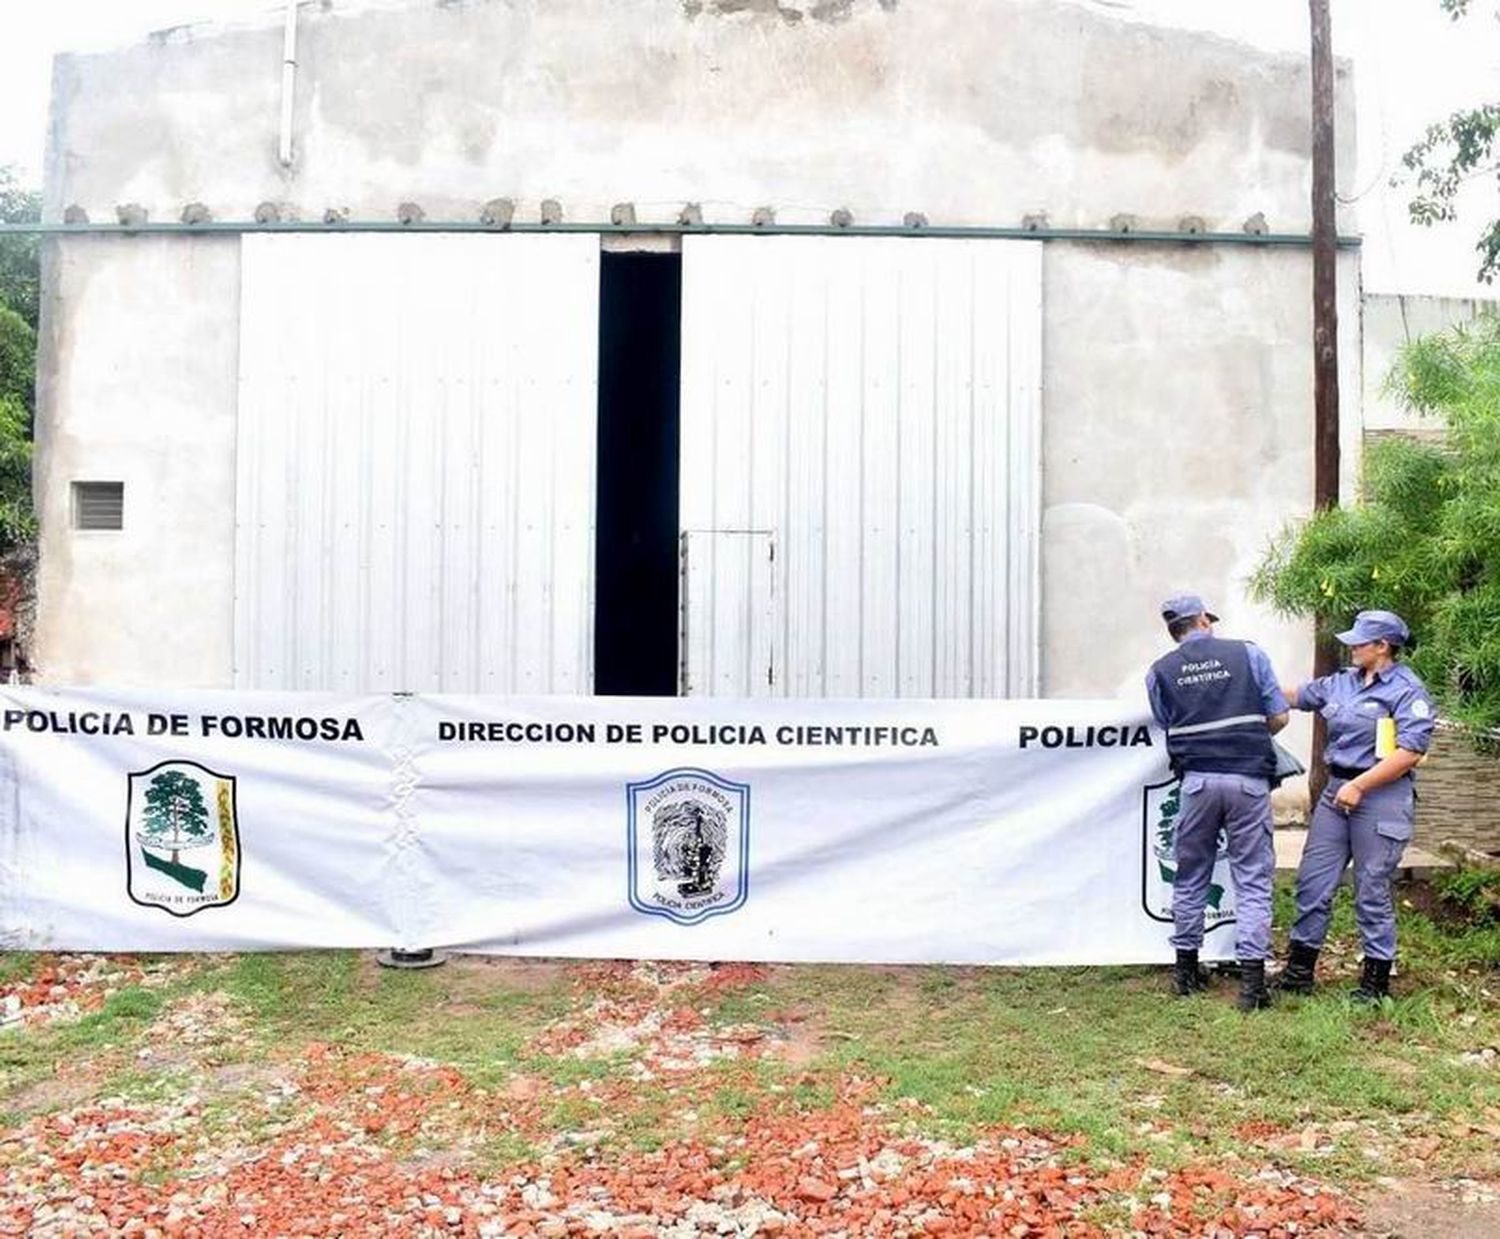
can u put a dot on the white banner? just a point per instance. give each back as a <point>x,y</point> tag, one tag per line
<point>962,831</point>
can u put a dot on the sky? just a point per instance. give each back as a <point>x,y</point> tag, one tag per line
<point>1412,65</point>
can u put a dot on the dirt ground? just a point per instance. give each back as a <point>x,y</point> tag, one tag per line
<point>1429,1211</point>
<point>322,1095</point>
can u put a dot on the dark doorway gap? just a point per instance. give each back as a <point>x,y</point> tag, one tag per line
<point>636,546</point>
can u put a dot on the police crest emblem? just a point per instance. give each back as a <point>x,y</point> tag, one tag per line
<point>1161,806</point>
<point>689,837</point>
<point>182,838</point>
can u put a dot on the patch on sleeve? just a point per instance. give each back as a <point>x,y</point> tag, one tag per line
<point>1420,708</point>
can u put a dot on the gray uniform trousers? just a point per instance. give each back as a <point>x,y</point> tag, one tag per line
<point>1374,837</point>
<point>1240,804</point>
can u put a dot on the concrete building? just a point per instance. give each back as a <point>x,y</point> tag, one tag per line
<point>1021,345</point>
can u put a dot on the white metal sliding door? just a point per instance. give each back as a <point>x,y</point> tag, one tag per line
<point>863,415</point>
<point>416,464</point>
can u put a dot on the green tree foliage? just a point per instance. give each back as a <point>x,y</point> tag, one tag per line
<point>17,521</point>
<point>17,370</point>
<point>20,264</point>
<point>19,296</point>
<point>17,358</point>
<point>1424,539</point>
<point>175,814</point>
<point>1451,153</point>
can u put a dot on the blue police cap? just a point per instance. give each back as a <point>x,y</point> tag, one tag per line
<point>1377,626</point>
<point>1185,606</point>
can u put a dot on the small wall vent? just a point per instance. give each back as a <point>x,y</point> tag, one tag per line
<point>98,505</point>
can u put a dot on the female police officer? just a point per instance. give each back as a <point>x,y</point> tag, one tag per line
<point>1365,812</point>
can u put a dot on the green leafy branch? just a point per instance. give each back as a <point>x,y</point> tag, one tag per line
<point>1424,538</point>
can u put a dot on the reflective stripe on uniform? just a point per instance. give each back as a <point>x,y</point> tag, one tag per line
<point>1239,720</point>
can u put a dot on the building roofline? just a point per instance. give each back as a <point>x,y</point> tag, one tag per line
<point>976,232</point>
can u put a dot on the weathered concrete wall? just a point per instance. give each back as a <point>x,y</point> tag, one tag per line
<point>974,111</point>
<point>1177,441</point>
<point>138,374</point>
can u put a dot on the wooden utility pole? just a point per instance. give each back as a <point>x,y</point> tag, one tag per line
<point>1325,329</point>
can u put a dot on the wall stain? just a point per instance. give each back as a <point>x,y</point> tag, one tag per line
<point>791,12</point>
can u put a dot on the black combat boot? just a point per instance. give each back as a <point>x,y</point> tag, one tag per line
<point>1297,976</point>
<point>1187,977</point>
<point>1374,981</point>
<point>1253,992</point>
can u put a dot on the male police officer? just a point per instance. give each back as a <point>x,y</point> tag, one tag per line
<point>1219,703</point>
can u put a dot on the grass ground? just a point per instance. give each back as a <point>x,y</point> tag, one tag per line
<point>318,1094</point>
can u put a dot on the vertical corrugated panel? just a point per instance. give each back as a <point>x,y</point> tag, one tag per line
<point>729,613</point>
<point>416,442</point>
<point>873,406</point>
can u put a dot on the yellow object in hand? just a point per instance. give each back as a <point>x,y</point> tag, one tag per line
<point>1385,738</point>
